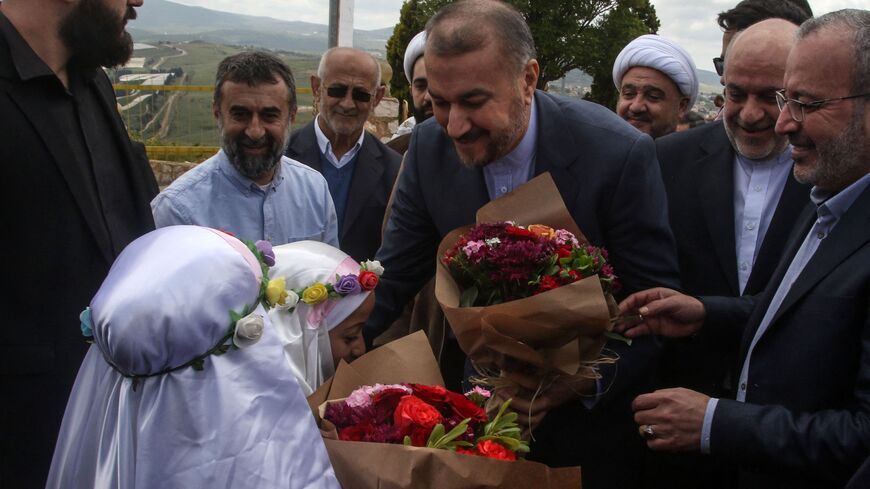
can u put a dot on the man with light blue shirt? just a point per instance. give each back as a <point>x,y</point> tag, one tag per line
<point>491,132</point>
<point>249,188</point>
<point>801,414</point>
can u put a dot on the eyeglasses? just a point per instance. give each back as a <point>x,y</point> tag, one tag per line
<point>798,109</point>
<point>719,64</point>
<point>339,91</point>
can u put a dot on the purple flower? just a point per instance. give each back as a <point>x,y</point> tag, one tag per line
<point>265,249</point>
<point>348,285</point>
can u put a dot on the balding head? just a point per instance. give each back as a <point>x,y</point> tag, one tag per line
<point>771,39</point>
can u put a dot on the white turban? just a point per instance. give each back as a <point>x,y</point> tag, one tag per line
<point>658,53</point>
<point>304,330</point>
<point>414,50</point>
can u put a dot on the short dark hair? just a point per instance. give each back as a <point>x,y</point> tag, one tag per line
<point>254,68</point>
<point>474,23</point>
<point>749,12</point>
<point>850,21</point>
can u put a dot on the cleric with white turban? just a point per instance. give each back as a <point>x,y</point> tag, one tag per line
<point>642,72</point>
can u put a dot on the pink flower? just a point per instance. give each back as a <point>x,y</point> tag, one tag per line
<point>566,237</point>
<point>472,247</point>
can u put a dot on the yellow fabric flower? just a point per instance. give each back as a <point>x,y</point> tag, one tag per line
<point>542,230</point>
<point>276,291</point>
<point>315,294</point>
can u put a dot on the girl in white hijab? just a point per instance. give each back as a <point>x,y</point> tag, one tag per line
<point>186,384</point>
<point>329,297</point>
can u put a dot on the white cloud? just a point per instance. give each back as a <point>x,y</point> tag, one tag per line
<point>690,23</point>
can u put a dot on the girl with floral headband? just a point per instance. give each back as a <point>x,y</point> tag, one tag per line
<point>323,298</point>
<point>186,384</point>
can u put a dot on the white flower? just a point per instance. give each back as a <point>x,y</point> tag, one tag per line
<point>249,330</point>
<point>289,302</point>
<point>374,266</point>
<point>492,241</point>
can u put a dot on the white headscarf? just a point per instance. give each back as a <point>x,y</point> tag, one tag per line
<point>658,53</point>
<point>240,422</point>
<point>305,329</point>
<point>412,52</point>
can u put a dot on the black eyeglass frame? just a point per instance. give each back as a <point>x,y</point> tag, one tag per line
<point>719,65</point>
<point>782,101</point>
<point>340,91</point>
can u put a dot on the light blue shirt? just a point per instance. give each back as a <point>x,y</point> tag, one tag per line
<point>758,186</point>
<point>326,146</point>
<point>294,206</point>
<point>830,210</point>
<point>516,167</point>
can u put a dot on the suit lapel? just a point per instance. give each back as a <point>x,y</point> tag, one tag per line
<point>850,233</point>
<point>715,174</point>
<point>37,110</point>
<point>303,147</point>
<point>552,153</point>
<point>368,171</point>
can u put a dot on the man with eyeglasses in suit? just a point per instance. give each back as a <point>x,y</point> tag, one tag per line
<point>359,169</point>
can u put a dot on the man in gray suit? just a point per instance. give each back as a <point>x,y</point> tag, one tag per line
<point>359,169</point>
<point>491,132</point>
<point>801,414</point>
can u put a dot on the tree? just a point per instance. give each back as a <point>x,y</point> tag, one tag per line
<point>568,34</point>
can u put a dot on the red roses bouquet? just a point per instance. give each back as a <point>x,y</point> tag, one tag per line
<point>388,424</point>
<point>426,416</point>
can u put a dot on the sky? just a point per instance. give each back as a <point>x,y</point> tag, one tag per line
<point>692,24</point>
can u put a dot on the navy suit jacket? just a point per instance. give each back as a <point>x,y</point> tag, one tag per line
<point>58,253</point>
<point>376,169</point>
<point>698,172</point>
<point>806,419</point>
<point>607,174</point>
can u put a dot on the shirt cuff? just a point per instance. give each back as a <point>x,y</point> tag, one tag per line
<point>707,427</point>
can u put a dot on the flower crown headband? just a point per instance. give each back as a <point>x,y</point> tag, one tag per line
<point>347,282</point>
<point>246,326</point>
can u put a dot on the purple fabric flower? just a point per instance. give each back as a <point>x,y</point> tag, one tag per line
<point>265,249</point>
<point>348,285</point>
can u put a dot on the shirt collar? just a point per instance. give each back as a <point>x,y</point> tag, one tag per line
<point>326,146</point>
<point>524,154</point>
<point>782,159</point>
<point>838,203</point>
<point>244,183</point>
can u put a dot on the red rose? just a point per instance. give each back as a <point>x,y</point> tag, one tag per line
<point>420,436</point>
<point>519,232</point>
<point>384,403</point>
<point>466,451</point>
<point>432,394</point>
<point>368,280</point>
<point>358,432</point>
<point>466,408</point>
<point>564,252</point>
<point>493,449</point>
<point>547,283</point>
<point>413,413</point>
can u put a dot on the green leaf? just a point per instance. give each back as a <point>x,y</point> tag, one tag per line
<point>407,441</point>
<point>617,337</point>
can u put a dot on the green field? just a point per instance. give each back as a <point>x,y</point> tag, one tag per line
<point>190,121</point>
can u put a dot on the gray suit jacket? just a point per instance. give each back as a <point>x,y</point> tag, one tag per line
<point>607,174</point>
<point>376,169</point>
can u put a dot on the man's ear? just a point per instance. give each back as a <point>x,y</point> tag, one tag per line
<point>379,94</point>
<point>315,89</point>
<point>530,78</point>
<point>216,110</point>
<point>684,106</point>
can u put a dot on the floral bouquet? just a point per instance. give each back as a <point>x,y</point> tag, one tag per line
<point>388,423</point>
<point>524,288</point>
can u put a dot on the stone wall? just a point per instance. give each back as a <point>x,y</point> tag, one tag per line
<point>167,171</point>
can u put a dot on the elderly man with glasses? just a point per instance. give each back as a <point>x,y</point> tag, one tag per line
<point>801,416</point>
<point>359,168</point>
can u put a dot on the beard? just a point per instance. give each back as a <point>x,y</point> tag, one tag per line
<point>95,35</point>
<point>423,112</point>
<point>841,160</point>
<point>254,166</point>
<point>500,142</point>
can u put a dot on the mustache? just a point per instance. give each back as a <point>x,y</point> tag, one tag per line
<point>131,14</point>
<point>470,136</point>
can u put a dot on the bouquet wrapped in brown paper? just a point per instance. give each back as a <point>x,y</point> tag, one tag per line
<point>524,288</point>
<point>364,465</point>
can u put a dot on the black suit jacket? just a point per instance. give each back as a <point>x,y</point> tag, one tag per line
<point>57,254</point>
<point>376,169</point>
<point>806,419</point>
<point>607,175</point>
